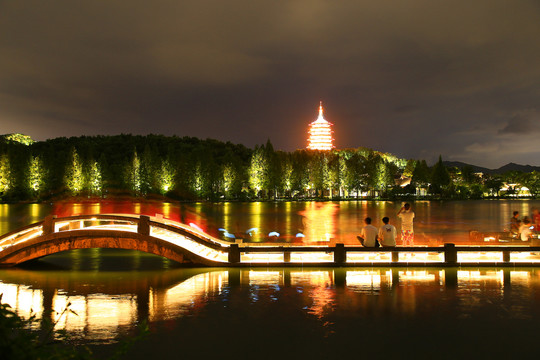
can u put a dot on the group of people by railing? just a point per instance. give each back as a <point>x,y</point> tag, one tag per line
<point>386,235</point>
<point>524,228</point>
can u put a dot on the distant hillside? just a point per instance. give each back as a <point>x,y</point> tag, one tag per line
<point>501,170</point>
<point>460,165</point>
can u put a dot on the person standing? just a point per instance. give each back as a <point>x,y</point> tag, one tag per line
<point>406,216</point>
<point>387,233</point>
<point>536,220</point>
<point>525,230</point>
<point>368,234</point>
<point>515,223</point>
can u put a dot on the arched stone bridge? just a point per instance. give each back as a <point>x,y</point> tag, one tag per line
<point>172,240</point>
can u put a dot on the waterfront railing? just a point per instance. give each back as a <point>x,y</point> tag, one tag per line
<point>201,248</point>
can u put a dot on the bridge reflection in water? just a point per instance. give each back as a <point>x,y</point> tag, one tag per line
<point>107,309</point>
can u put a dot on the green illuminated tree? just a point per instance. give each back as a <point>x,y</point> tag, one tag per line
<point>493,184</point>
<point>258,170</point>
<point>355,175</point>
<point>74,179</point>
<point>287,171</point>
<point>5,174</point>
<point>333,168</point>
<point>198,183</point>
<point>532,182</point>
<point>166,177</point>
<point>132,173</point>
<point>35,176</point>
<point>95,178</point>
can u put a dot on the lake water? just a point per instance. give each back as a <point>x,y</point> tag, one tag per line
<point>283,313</point>
<point>436,222</point>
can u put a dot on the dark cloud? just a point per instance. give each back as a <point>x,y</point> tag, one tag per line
<point>407,77</point>
<point>524,123</point>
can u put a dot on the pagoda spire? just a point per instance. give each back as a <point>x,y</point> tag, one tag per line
<point>320,133</point>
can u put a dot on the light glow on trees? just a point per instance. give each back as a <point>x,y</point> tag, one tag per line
<point>133,173</point>
<point>166,176</point>
<point>95,181</point>
<point>258,170</point>
<point>74,173</point>
<point>320,133</point>
<point>229,177</point>
<point>5,174</point>
<point>35,174</point>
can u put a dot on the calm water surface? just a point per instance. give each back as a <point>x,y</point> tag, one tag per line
<point>328,313</point>
<point>283,313</point>
<point>435,223</point>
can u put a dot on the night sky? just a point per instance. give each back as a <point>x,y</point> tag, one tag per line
<point>416,78</point>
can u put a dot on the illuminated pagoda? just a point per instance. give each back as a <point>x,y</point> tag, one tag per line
<point>320,133</point>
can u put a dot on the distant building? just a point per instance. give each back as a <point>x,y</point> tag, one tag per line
<point>320,133</point>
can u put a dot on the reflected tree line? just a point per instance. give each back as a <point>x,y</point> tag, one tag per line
<point>187,168</point>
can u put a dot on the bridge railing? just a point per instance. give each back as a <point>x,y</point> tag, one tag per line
<point>20,235</point>
<point>341,255</point>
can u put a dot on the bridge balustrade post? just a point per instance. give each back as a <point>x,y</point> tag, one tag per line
<point>450,253</point>
<point>395,256</point>
<point>48,224</point>
<point>506,256</point>
<point>143,227</point>
<point>286,256</point>
<point>340,255</point>
<point>234,254</point>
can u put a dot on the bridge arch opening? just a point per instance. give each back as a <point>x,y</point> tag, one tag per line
<point>102,259</point>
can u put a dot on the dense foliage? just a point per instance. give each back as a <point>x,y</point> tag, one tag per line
<point>191,169</point>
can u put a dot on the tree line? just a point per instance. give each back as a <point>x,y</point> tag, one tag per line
<point>188,168</point>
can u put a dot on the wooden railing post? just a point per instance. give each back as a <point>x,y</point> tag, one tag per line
<point>143,227</point>
<point>286,256</point>
<point>395,256</point>
<point>340,255</point>
<point>450,253</point>
<point>234,254</point>
<point>506,256</point>
<point>48,224</point>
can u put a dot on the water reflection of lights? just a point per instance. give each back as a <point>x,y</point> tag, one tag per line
<point>313,278</point>
<point>419,275</point>
<point>477,275</point>
<point>320,221</point>
<point>182,297</point>
<point>367,279</point>
<point>96,315</point>
<point>25,300</point>
<point>520,277</point>
<point>265,277</point>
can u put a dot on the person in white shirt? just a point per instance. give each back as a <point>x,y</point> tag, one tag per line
<point>407,233</point>
<point>525,230</point>
<point>387,233</point>
<point>368,235</point>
